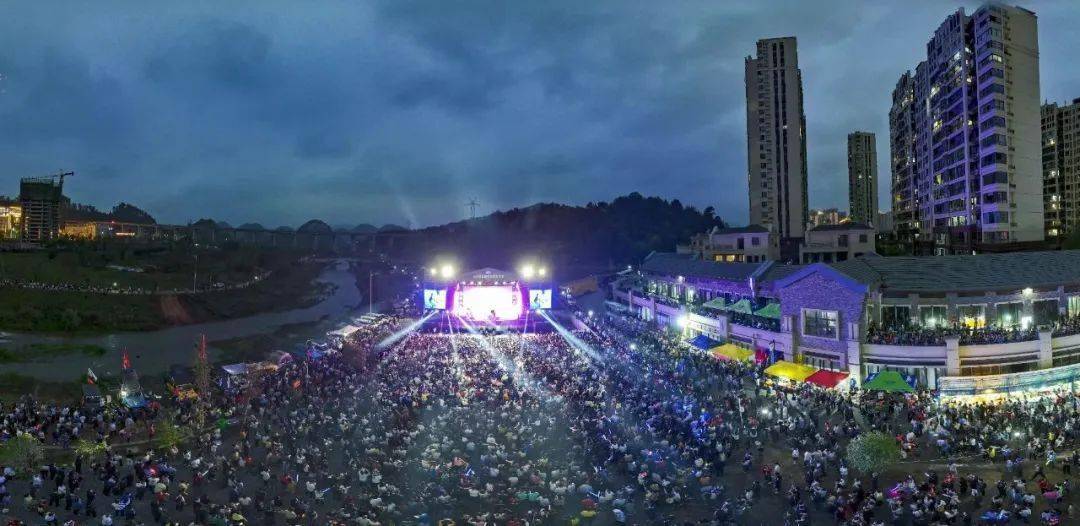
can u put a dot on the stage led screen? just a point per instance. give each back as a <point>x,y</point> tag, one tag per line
<point>488,303</point>
<point>540,299</point>
<point>435,299</point>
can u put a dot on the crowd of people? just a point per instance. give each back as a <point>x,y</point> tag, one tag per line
<point>908,334</point>
<point>613,423</point>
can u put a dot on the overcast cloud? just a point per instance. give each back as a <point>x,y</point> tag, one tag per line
<point>401,112</point>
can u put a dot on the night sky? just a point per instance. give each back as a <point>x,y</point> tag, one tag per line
<point>401,112</point>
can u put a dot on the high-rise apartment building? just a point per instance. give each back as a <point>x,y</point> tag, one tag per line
<point>905,202</point>
<point>862,177</point>
<point>776,138</point>
<point>1061,168</point>
<point>974,107</point>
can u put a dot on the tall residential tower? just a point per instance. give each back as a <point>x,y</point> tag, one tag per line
<point>776,138</point>
<point>862,177</point>
<point>970,176</point>
<point>1061,168</point>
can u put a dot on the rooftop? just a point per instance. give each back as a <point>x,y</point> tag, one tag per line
<point>748,229</point>
<point>842,226</point>
<point>1011,271</point>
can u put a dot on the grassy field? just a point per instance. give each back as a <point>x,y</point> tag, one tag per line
<point>255,348</point>
<point>163,268</point>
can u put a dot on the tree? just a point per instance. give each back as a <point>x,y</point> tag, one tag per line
<point>168,434</point>
<point>91,449</point>
<point>873,452</point>
<point>23,452</point>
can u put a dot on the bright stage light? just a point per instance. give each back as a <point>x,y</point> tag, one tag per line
<point>683,321</point>
<point>542,272</point>
<point>528,271</point>
<point>447,271</point>
<point>434,271</point>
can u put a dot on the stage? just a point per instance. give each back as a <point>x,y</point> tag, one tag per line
<point>487,300</point>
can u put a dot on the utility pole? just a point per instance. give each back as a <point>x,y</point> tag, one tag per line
<point>472,207</point>
<point>195,274</point>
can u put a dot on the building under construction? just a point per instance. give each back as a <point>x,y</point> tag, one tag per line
<point>40,198</point>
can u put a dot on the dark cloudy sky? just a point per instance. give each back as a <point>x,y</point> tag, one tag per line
<point>403,111</point>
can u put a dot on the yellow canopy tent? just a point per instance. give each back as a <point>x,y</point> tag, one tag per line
<point>730,351</point>
<point>790,371</point>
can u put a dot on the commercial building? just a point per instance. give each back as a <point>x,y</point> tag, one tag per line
<point>40,198</point>
<point>776,138</point>
<point>1061,168</point>
<point>829,243</point>
<point>862,177</point>
<point>826,216</point>
<point>962,324</point>
<point>10,220</point>
<point>748,244</point>
<point>966,169</point>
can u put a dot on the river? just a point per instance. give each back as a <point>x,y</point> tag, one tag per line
<point>153,352</point>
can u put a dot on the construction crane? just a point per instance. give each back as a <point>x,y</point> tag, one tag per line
<point>50,178</point>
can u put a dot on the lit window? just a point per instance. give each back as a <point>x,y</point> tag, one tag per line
<point>821,323</point>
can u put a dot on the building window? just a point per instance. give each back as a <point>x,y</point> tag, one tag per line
<point>1074,306</point>
<point>932,316</point>
<point>1009,314</point>
<point>972,316</point>
<point>895,316</point>
<point>755,241</point>
<point>1046,311</point>
<point>821,323</point>
<point>862,238</point>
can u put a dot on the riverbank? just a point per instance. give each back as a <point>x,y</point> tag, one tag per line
<point>334,293</point>
<point>290,286</point>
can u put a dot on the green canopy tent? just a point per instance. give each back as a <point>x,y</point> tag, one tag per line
<point>715,303</point>
<point>889,382</point>
<point>771,310</point>
<point>742,306</point>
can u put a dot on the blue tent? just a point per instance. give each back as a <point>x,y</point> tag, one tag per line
<point>703,342</point>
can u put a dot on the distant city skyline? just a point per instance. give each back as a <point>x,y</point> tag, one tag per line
<point>402,112</point>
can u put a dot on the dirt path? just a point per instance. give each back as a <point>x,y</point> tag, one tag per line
<point>174,311</point>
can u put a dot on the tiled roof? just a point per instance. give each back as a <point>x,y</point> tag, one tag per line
<point>990,272</point>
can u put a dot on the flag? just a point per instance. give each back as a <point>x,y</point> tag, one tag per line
<point>125,362</point>
<point>91,378</point>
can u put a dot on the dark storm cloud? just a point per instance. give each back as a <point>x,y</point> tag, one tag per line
<point>402,111</point>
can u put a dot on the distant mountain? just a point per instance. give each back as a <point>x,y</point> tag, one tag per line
<point>123,213</point>
<point>617,233</point>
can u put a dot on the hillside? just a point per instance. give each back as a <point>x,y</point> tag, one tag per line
<point>607,234</point>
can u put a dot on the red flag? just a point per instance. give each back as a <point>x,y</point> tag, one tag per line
<point>125,362</point>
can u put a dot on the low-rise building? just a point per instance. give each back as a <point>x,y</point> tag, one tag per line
<point>747,244</point>
<point>829,243</point>
<point>961,324</point>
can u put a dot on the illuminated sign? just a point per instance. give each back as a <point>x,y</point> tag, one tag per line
<point>435,299</point>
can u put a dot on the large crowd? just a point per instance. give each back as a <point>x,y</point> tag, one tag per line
<point>614,423</point>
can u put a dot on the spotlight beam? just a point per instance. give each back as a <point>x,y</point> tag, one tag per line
<point>397,336</point>
<point>574,341</point>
